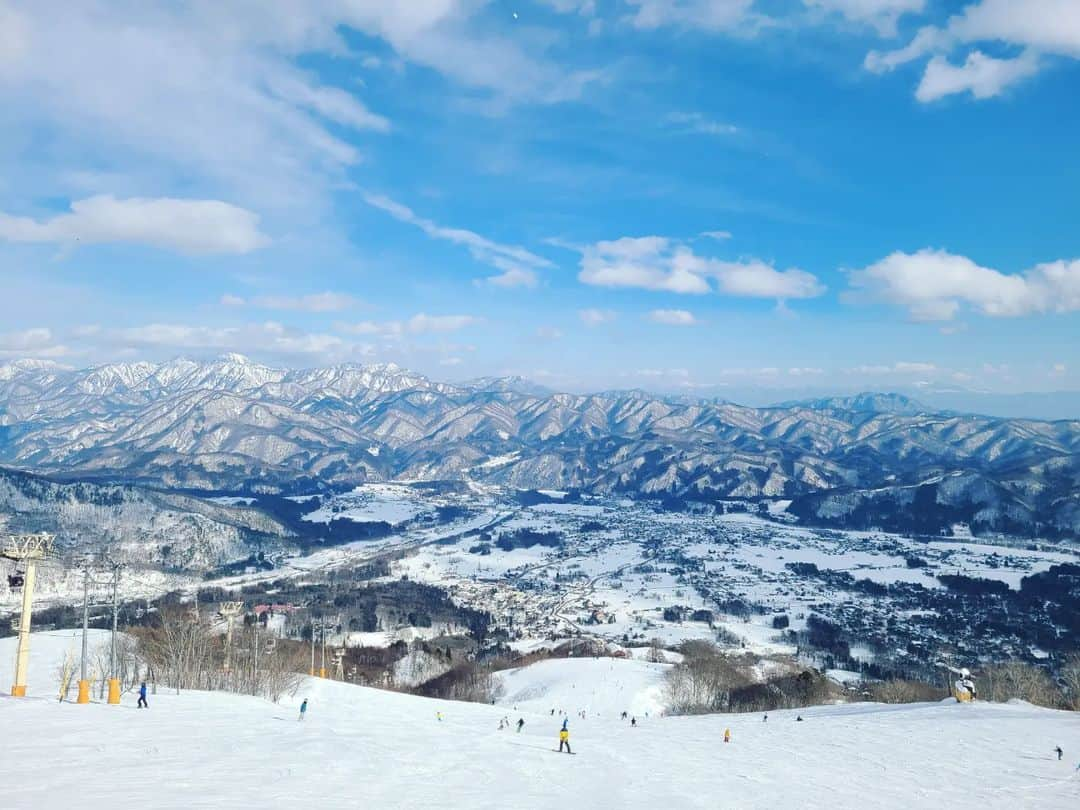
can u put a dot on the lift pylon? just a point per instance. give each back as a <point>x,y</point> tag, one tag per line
<point>28,549</point>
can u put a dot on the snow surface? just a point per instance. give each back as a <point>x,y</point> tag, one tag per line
<point>603,687</point>
<point>367,748</point>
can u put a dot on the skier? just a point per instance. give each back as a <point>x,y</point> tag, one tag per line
<point>633,721</point>
<point>501,725</point>
<point>564,739</point>
<point>624,715</point>
<point>521,722</point>
<point>303,709</point>
<point>142,696</point>
<point>438,716</point>
<point>1059,752</point>
<point>727,735</point>
<point>765,719</point>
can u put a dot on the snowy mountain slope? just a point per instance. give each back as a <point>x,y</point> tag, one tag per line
<point>138,525</point>
<point>363,747</point>
<point>599,686</point>
<point>234,424</point>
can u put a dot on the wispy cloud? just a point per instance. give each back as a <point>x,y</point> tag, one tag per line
<point>698,124</point>
<point>419,324</point>
<point>596,317</point>
<point>517,265</point>
<point>316,302</point>
<point>1035,27</point>
<point>673,317</point>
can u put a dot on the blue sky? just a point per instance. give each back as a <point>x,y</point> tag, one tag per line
<point>718,197</point>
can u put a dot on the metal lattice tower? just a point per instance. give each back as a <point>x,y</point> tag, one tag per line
<point>229,610</point>
<point>28,549</point>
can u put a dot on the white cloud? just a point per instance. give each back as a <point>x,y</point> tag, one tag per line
<point>881,14</point>
<point>186,226</point>
<point>902,369</point>
<point>934,284</point>
<point>268,337</point>
<point>517,265</point>
<point>719,236</point>
<point>423,323</point>
<point>38,342</point>
<point>596,317</point>
<point>216,92</point>
<point>514,277</point>
<point>713,15</point>
<point>805,372</point>
<point>982,75</point>
<point>548,333</point>
<point>1036,27</point>
<point>673,317</point>
<point>317,302</point>
<point>658,263</point>
<point>419,324</point>
<point>1058,370</point>
<point>648,262</point>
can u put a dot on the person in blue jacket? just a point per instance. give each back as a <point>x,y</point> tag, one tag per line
<point>142,697</point>
<point>303,709</point>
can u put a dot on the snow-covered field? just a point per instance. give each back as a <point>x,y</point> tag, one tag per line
<point>370,503</point>
<point>366,748</point>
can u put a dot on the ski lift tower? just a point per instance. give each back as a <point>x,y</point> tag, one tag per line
<point>27,549</point>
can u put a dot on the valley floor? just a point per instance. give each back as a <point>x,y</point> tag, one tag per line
<point>366,748</point>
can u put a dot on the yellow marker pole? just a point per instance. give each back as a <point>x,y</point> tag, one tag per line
<point>114,691</point>
<point>84,692</point>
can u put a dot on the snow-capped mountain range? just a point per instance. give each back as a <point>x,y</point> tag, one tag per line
<point>235,425</point>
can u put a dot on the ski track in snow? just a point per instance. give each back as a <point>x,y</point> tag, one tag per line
<point>367,748</point>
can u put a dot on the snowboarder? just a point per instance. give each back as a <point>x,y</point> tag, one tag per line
<point>1059,752</point>
<point>521,722</point>
<point>303,709</point>
<point>765,719</point>
<point>564,739</point>
<point>142,696</point>
<point>633,721</point>
<point>798,719</point>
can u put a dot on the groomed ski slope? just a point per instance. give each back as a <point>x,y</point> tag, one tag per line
<point>603,687</point>
<point>367,748</point>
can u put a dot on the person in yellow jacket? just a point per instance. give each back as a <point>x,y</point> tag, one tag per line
<point>564,738</point>
<point>727,735</point>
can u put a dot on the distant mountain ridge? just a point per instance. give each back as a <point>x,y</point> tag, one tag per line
<point>231,424</point>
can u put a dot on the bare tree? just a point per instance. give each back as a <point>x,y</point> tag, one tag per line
<point>1015,680</point>
<point>65,673</point>
<point>1070,681</point>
